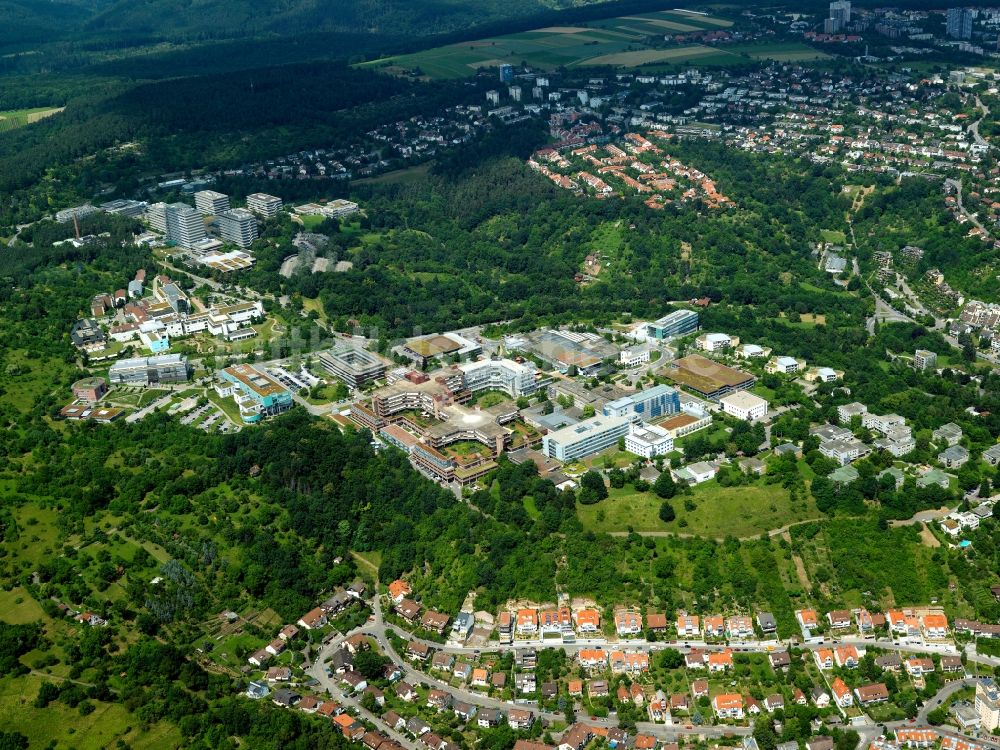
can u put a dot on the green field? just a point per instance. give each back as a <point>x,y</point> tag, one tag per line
<point>18,118</point>
<point>780,51</point>
<point>57,723</point>
<point>614,41</point>
<point>719,512</point>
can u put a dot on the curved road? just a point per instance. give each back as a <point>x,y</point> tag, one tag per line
<point>378,629</point>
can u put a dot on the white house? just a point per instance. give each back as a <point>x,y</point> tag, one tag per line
<point>714,342</point>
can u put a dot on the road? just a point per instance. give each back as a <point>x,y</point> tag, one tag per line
<point>141,413</point>
<point>378,629</point>
<point>974,127</point>
<point>956,185</point>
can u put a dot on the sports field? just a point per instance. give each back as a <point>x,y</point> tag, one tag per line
<point>620,42</point>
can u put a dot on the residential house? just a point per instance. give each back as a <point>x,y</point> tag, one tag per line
<point>288,632</point>
<point>720,661</point>
<point>438,699</point>
<point>774,702</point>
<point>278,674</point>
<point>575,687</point>
<point>405,691</point>
<point>434,621</point>
<point>259,658</point>
<point>889,662</point>
<point>285,698</point>
<point>408,609</point>
<point>766,622</point>
<point>739,626</point>
<point>590,658</point>
<point>687,625</point>
<point>715,626</point>
<point>807,618</point>
<point>779,660</point>
<point>656,622</point>
<point>464,711</point>
<point>417,726</point>
<point>628,623</point>
<point>846,657</point>
<point>480,677</point>
<point>934,626</point>
<point>842,693</point>
<point>728,706</point>
<point>820,697</point>
<point>442,661</point>
<point>919,666</point>
<point>658,707</point>
<point>597,688</point>
<point>699,688</point>
<point>824,658</point>
<point>314,618</point>
<point>588,620</point>
<point>417,651</point>
<point>520,718</point>
<point>839,619</point>
<point>874,693</point>
<point>679,702</point>
<point>399,590</point>
<point>951,664</point>
<point>576,737</point>
<point>275,647</point>
<point>393,720</point>
<point>525,683</point>
<point>527,621</point>
<point>488,718</point>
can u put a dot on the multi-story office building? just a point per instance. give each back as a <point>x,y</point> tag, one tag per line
<point>648,441</point>
<point>353,365</point>
<point>264,205</point>
<point>237,226</point>
<point>167,368</point>
<point>658,401</point>
<point>958,23</point>
<point>513,378</point>
<point>585,438</point>
<point>258,395</point>
<point>210,202</point>
<point>180,223</point>
<point>676,323</point>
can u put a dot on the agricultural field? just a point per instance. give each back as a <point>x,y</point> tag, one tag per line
<point>622,42</point>
<point>18,118</point>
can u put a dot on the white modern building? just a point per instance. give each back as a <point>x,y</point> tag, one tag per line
<point>585,438</point>
<point>648,440</point>
<point>180,223</point>
<point>744,405</point>
<point>516,379</point>
<point>210,202</point>
<point>714,342</point>
<point>237,226</point>
<point>264,205</point>
<point>633,357</point>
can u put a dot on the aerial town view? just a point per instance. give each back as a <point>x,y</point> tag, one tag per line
<point>534,375</point>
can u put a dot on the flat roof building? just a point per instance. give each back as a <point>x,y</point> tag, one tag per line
<point>237,226</point>
<point>167,368</point>
<point>585,438</point>
<point>352,365</point>
<point>648,440</point>
<point>676,323</point>
<point>743,405</point>
<point>264,205</point>
<point>708,379</point>
<point>516,379</point>
<point>257,394</point>
<point>180,223</point>
<point>658,401</point>
<point>210,202</point>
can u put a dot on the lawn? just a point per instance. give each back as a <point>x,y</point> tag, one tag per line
<point>833,236</point>
<point>780,51</point>
<point>20,608</point>
<point>57,723</point>
<point>719,511</point>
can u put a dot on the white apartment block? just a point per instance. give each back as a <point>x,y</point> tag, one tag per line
<point>714,342</point>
